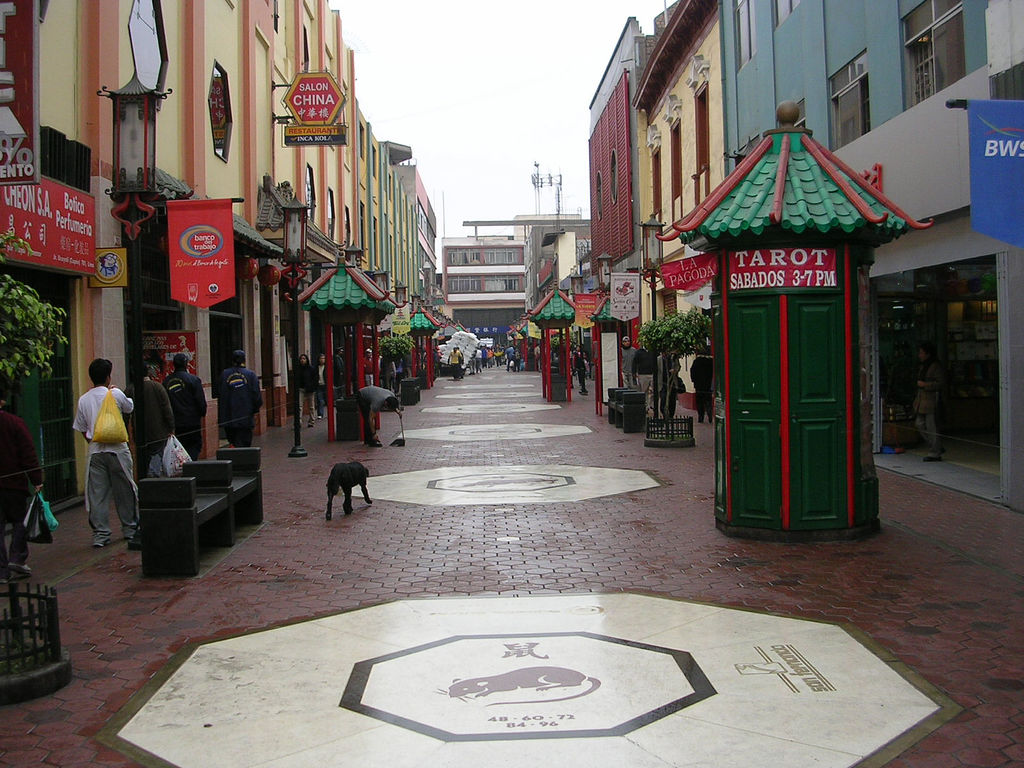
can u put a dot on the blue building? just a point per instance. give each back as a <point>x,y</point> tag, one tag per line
<point>872,78</point>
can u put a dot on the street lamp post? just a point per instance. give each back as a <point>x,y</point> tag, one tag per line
<point>132,191</point>
<point>294,252</point>
<point>604,272</point>
<point>652,257</point>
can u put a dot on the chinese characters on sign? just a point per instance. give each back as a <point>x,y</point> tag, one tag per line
<point>782,268</point>
<point>315,100</point>
<point>56,220</point>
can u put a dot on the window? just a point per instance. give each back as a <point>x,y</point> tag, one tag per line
<point>746,41</point>
<point>599,192</point>
<point>310,192</point>
<point>783,8</point>
<point>677,165</point>
<point>850,115</point>
<point>656,181</point>
<point>305,49</point>
<point>614,175</point>
<point>702,127</point>
<point>463,284</point>
<point>503,284</point>
<point>935,57</point>
<point>330,213</point>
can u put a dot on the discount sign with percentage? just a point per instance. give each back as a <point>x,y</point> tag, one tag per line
<point>19,96</point>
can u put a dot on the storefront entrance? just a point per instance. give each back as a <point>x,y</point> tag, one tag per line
<point>954,306</point>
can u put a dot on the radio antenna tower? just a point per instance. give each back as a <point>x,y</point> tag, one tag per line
<point>540,180</point>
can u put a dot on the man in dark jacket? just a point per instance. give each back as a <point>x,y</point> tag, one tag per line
<point>373,400</point>
<point>645,365</point>
<point>188,402</point>
<point>240,398</point>
<point>702,372</point>
<point>19,467</point>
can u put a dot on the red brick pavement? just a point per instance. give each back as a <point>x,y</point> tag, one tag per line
<point>942,586</point>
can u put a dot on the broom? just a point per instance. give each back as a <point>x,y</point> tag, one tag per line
<point>400,441</point>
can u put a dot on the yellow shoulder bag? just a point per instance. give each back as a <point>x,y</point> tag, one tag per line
<point>109,426</point>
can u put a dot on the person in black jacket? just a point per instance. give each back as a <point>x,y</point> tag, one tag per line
<point>702,373</point>
<point>307,381</point>
<point>240,400</point>
<point>188,403</point>
<point>645,363</point>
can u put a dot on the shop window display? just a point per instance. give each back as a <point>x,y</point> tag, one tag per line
<point>954,306</point>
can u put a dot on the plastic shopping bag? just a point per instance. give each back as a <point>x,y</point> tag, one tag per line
<point>51,521</point>
<point>109,426</point>
<point>36,529</point>
<point>175,457</point>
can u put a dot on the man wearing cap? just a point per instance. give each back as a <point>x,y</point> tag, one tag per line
<point>240,398</point>
<point>188,402</point>
<point>626,362</point>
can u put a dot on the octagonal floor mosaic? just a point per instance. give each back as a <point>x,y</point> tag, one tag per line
<point>597,680</point>
<point>491,432</point>
<point>491,407</point>
<point>507,484</point>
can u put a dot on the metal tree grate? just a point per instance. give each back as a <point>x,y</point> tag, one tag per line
<point>670,429</point>
<point>29,629</point>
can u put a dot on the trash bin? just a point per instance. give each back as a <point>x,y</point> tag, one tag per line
<point>347,411</point>
<point>558,388</point>
<point>634,410</point>
<point>409,392</point>
<point>612,396</point>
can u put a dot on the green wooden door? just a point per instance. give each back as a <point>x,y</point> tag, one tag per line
<point>817,412</point>
<point>755,466</point>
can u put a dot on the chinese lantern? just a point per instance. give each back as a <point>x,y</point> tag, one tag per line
<point>268,275</point>
<point>246,269</point>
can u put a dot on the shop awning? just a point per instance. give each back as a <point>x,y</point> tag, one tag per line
<point>790,184</point>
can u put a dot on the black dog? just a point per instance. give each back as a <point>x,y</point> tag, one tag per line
<point>345,477</point>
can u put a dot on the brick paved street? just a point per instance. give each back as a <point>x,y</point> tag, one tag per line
<point>941,587</point>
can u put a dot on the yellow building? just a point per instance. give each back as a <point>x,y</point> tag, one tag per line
<point>219,136</point>
<point>681,148</point>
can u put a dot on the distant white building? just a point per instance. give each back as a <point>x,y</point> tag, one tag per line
<point>484,282</point>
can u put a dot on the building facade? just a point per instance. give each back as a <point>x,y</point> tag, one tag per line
<point>219,136</point>
<point>484,282</point>
<point>681,147</point>
<point>872,81</point>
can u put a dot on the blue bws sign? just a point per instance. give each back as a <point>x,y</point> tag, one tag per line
<point>997,169</point>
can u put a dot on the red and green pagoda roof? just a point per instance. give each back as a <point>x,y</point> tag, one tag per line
<point>791,185</point>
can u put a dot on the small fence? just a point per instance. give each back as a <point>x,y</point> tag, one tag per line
<point>29,629</point>
<point>675,433</point>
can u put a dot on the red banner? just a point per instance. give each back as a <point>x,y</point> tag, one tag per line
<point>586,305</point>
<point>782,268</point>
<point>200,237</point>
<point>691,273</point>
<point>56,220</point>
<point>19,95</point>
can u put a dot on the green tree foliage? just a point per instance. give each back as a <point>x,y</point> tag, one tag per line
<point>396,347</point>
<point>30,328</point>
<point>684,333</point>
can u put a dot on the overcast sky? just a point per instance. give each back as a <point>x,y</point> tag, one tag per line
<point>481,91</point>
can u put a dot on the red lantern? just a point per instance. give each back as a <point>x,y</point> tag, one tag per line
<point>246,269</point>
<point>269,275</point>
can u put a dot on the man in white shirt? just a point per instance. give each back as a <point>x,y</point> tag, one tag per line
<point>109,475</point>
